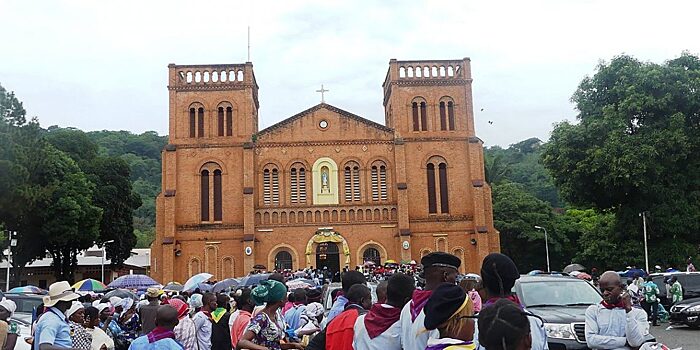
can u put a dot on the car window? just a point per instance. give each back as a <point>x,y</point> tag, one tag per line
<point>26,305</point>
<point>558,293</point>
<point>690,282</point>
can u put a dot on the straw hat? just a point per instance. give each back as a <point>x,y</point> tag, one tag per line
<point>60,291</point>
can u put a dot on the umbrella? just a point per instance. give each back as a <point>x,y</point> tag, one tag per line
<point>389,262</point>
<point>253,280</point>
<point>204,287</point>
<point>195,280</point>
<point>27,290</point>
<point>296,284</point>
<point>574,267</point>
<point>133,282</point>
<point>173,287</point>
<point>89,284</point>
<point>225,284</point>
<point>122,293</point>
<point>260,267</point>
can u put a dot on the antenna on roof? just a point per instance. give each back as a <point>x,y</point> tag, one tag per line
<point>248,44</point>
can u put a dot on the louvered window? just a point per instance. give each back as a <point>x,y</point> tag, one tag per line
<point>352,182</point>
<point>297,186</point>
<point>293,186</point>
<point>356,183</point>
<point>382,183</point>
<point>375,183</point>
<point>348,184</point>
<point>302,185</point>
<point>275,187</point>
<point>266,187</point>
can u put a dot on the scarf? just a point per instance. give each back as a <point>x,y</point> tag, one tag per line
<point>420,298</point>
<point>380,318</point>
<point>513,297</point>
<point>619,304</point>
<point>217,314</point>
<point>160,333</point>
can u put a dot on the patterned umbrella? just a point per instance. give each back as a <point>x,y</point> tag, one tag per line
<point>195,280</point>
<point>89,284</point>
<point>133,282</point>
<point>27,290</point>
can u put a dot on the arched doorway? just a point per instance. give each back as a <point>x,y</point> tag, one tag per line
<point>328,255</point>
<point>372,254</point>
<point>283,261</point>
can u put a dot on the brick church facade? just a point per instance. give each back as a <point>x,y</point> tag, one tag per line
<point>324,187</point>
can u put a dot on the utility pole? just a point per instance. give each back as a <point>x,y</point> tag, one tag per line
<point>646,249</point>
<point>546,245</point>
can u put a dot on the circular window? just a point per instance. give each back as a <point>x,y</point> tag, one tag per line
<point>323,124</point>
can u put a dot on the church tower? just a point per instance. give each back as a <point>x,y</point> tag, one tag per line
<point>439,159</point>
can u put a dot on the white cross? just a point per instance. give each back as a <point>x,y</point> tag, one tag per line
<point>322,91</point>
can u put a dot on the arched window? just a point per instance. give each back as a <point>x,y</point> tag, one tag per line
<point>200,122</point>
<point>379,181</point>
<point>193,122</point>
<point>372,254</point>
<point>451,114</point>
<point>204,207</point>
<point>229,121</point>
<point>271,186</point>
<point>447,113</point>
<point>297,186</point>
<point>211,193</point>
<point>443,116</point>
<point>220,121</point>
<point>420,114</point>
<point>352,182</point>
<point>434,182</point>
<point>283,261</point>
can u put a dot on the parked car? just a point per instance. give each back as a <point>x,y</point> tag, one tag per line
<point>561,301</point>
<point>25,332</point>
<point>686,312</point>
<point>26,303</point>
<point>690,281</point>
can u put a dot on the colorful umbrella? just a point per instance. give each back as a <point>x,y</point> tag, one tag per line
<point>27,290</point>
<point>89,284</point>
<point>173,287</point>
<point>195,280</point>
<point>133,282</point>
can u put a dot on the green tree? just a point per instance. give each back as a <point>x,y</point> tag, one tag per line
<point>636,147</point>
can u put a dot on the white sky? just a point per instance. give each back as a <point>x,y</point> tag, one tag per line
<point>103,65</point>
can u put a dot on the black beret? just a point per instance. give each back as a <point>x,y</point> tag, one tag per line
<point>442,304</point>
<point>499,273</point>
<point>440,259</point>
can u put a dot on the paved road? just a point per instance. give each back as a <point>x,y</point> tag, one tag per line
<point>678,336</point>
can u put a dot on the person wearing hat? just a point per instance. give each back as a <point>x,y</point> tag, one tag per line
<point>438,268</point>
<point>53,330</point>
<point>449,311</point>
<point>9,330</point>
<point>82,339</point>
<point>184,331</point>
<point>380,328</point>
<point>147,313</point>
<point>498,275</point>
<point>266,330</point>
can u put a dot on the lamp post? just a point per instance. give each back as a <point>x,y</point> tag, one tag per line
<point>13,243</point>
<point>103,258</point>
<point>546,245</point>
<point>646,250</point>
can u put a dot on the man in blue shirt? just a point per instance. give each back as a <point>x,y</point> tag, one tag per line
<point>52,330</point>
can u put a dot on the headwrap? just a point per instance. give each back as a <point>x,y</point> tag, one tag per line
<point>446,301</point>
<point>196,301</point>
<point>9,305</point>
<point>125,303</point>
<point>499,273</point>
<point>314,310</point>
<point>180,306</point>
<point>75,306</point>
<point>269,291</point>
<point>101,306</point>
<point>115,301</point>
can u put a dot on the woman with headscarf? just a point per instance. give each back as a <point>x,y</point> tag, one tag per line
<point>449,310</point>
<point>129,320</point>
<point>185,329</point>
<point>266,330</point>
<point>309,322</point>
<point>195,303</point>
<point>82,339</point>
<point>100,339</point>
<point>9,330</point>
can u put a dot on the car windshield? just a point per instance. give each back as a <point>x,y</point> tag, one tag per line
<point>690,282</point>
<point>558,293</point>
<point>25,305</point>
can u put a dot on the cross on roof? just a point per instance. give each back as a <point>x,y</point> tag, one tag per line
<point>322,91</point>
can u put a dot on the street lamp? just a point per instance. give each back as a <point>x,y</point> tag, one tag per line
<point>13,243</point>
<point>103,258</point>
<point>646,250</point>
<point>546,245</point>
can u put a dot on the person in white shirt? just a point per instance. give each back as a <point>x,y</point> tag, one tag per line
<point>614,324</point>
<point>380,329</point>
<point>439,267</point>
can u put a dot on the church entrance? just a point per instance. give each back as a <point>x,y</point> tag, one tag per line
<point>328,255</point>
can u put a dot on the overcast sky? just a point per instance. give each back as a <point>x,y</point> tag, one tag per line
<point>103,65</point>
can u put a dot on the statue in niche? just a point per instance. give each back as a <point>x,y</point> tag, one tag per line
<point>324,180</point>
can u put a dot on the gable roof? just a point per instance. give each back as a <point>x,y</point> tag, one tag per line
<point>330,108</point>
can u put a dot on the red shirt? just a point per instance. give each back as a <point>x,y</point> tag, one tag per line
<point>340,331</point>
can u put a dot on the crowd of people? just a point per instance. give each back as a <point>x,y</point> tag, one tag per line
<point>416,308</point>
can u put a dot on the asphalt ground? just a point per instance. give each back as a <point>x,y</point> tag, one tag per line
<point>677,336</point>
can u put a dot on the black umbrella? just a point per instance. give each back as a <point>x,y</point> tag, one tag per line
<point>122,293</point>
<point>225,284</point>
<point>253,280</point>
<point>173,287</point>
<point>260,267</point>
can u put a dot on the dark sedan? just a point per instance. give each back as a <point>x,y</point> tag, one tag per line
<point>686,312</point>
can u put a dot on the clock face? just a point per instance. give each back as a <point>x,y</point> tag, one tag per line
<point>323,124</point>
<point>248,250</point>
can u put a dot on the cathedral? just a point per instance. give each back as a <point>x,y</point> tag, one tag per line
<point>324,187</point>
